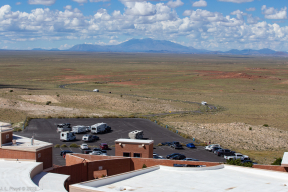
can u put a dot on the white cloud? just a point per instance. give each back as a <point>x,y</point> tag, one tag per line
<point>42,2</point>
<point>174,4</point>
<point>69,7</point>
<point>80,1</point>
<point>237,1</point>
<point>64,47</point>
<point>140,8</point>
<point>200,3</point>
<point>272,13</point>
<point>18,3</point>
<point>98,1</point>
<point>251,9</point>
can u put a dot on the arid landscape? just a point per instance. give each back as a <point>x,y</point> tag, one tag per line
<point>248,92</point>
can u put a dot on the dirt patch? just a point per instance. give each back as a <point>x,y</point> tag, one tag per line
<point>230,75</point>
<point>237,135</point>
<point>67,69</point>
<point>40,98</point>
<point>126,83</point>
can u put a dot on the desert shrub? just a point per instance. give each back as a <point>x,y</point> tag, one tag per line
<point>277,161</point>
<point>64,145</point>
<point>48,102</point>
<point>49,117</point>
<point>11,91</point>
<point>250,128</point>
<point>266,125</point>
<point>57,146</point>
<point>17,129</point>
<point>238,162</point>
<point>159,144</point>
<point>144,166</point>
<point>74,145</point>
<point>58,95</point>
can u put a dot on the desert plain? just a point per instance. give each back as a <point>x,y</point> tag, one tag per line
<point>247,96</point>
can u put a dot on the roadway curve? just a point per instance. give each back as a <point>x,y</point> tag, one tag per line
<point>65,86</point>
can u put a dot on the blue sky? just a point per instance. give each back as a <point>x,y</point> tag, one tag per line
<point>202,24</point>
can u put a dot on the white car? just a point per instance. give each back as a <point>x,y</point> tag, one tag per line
<point>155,154</point>
<point>97,153</point>
<point>84,146</point>
<point>95,90</point>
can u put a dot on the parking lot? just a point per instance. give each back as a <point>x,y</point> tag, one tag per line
<point>45,130</point>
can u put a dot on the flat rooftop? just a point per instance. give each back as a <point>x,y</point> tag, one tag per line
<point>5,127</point>
<point>217,178</point>
<point>138,141</point>
<point>24,144</point>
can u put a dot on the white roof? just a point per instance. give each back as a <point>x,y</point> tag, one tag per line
<point>217,178</point>
<point>24,144</point>
<point>138,141</point>
<point>16,176</point>
<point>5,127</point>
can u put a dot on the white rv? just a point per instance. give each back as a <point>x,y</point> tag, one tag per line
<point>67,136</point>
<point>100,128</point>
<point>79,129</point>
<point>137,134</point>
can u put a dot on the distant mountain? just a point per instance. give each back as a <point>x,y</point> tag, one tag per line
<point>139,45</point>
<point>162,46</point>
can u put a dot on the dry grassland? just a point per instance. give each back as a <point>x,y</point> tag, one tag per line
<point>251,90</point>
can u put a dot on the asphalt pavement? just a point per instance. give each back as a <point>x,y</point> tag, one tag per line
<point>45,130</point>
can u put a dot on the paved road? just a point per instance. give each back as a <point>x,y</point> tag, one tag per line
<point>45,130</point>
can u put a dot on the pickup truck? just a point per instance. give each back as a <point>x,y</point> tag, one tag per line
<point>209,147</point>
<point>236,156</point>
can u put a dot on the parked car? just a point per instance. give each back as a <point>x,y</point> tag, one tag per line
<point>176,145</point>
<point>86,151</point>
<point>166,143</point>
<point>95,137</point>
<point>178,157</point>
<point>236,156</point>
<point>157,157</point>
<point>104,146</point>
<point>210,146</point>
<point>96,149</point>
<point>98,153</point>
<point>168,156</point>
<point>222,152</point>
<point>190,159</point>
<point>64,152</point>
<point>190,145</point>
<point>84,146</point>
<point>215,149</point>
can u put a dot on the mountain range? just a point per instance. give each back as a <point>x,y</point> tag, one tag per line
<point>163,46</point>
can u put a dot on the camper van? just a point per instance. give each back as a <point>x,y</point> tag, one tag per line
<point>79,129</point>
<point>100,128</point>
<point>67,136</point>
<point>137,134</point>
<point>63,127</point>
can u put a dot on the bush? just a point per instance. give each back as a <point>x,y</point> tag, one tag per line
<point>250,128</point>
<point>64,145</point>
<point>277,161</point>
<point>144,166</point>
<point>57,146</point>
<point>266,125</point>
<point>159,144</point>
<point>48,102</point>
<point>238,162</point>
<point>17,129</point>
<point>74,145</point>
<point>11,91</point>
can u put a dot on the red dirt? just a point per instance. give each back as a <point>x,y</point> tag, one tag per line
<point>228,75</point>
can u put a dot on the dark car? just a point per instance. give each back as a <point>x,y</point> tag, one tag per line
<point>86,151</point>
<point>64,152</point>
<point>190,145</point>
<point>96,149</point>
<point>178,157</point>
<point>166,143</point>
<point>215,149</point>
<point>227,152</point>
<point>176,145</point>
<point>95,137</point>
<point>104,146</point>
<point>168,156</point>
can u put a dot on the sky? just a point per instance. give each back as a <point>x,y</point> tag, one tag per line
<point>203,24</point>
